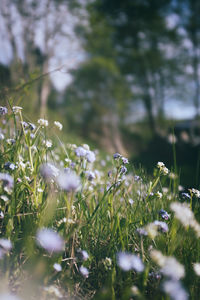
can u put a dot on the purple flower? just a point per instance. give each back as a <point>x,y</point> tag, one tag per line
<point>7,180</point>
<point>162,226</point>
<point>90,156</point>
<point>141,231</point>
<point>164,215</point>
<point>32,126</point>
<point>185,195</point>
<point>68,181</point>
<point>90,175</point>
<point>80,152</point>
<point>124,160</point>
<point>123,170</point>
<point>57,267</point>
<point>3,110</point>
<point>84,271</point>
<point>49,240</point>
<point>116,155</point>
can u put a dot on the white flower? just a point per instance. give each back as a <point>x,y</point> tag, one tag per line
<point>43,122</point>
<point>162,168</point>
<point>58,125</point>
<point>48,143</point>
<point>127,261</point>
<point>49,240</point>
<point>160,165</point>
<point>4,198</point>
<point>195,192</point>
<point>57,267</point>
<point>84,271</point>
<point>16,109</point>
<point>159,195</point>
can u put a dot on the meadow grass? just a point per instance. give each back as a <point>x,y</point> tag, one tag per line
<point>76,226</point>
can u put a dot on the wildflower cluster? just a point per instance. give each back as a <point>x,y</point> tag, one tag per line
<point>76,223</point>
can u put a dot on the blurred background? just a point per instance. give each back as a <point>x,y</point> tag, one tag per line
<point>121,75</point>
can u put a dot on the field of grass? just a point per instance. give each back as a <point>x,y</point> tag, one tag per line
<point>74,225</point>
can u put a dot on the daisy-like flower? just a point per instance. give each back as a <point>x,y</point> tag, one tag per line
<point>127,261</point>
<point>49,240</point>
<point>58,125</point>
<point>43,122</point>
<point>48,143</point>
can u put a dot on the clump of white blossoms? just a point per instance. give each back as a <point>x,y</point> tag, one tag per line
<point>162,168</point>
<point>127,261</point>
<point>169,265</point>
<point>184,214</point>
<point>43,122</point>
<point>195,192</point>
<point>58,125</point>
<point>16,109</point>
<point>50,240</point>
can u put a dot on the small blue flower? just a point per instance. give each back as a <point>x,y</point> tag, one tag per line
<point>116,155</point>
<point>3,110</point>
<point>164,215</point>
